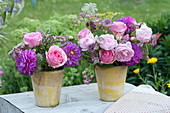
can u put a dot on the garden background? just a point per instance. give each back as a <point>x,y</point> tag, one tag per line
<point>58,14</point>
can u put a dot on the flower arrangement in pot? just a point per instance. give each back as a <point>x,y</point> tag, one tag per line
<point>112,45</point>
<point>43,56</point>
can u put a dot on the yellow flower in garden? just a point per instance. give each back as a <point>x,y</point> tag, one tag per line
<point>34,50</point>
<point>152,60</point>
<point>169,84</point>
<point>136,71</point>
<point>70,37</point>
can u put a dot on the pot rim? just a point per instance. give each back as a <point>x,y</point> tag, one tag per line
<point>98,67</point>
<point>50,71</point>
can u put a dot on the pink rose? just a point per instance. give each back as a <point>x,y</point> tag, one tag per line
<point>56,57</point>
<point>118,28</point>
<point>109,42</point>
<point>33,39</point>
<point>107,56</point>
<point>144,34</point>
<point>86,42</point>
<point>85,32</point>
<point>124,52</point>
<point>1,72</point>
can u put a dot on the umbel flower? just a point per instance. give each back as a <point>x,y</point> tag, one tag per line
<point>26,62</point>
<point>73,53</point>
<point>89,8</point>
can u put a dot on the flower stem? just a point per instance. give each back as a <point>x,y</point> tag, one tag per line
<point>141,79</point>
<point>154,73</point>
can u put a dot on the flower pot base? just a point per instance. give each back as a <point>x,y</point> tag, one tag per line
<point>47,88</point>
<point>111,82</point>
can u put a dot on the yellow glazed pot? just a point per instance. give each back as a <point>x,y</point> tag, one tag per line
<point>111,82</point>
<point>47,87</point>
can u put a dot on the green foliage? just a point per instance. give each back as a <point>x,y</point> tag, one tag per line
<point>12,81</point>
<point>162,52</point>
<point>5,15</point>
<point>162,25</point>
<point>71,77</point>
<point>30,24</point>
<point>18,33</point>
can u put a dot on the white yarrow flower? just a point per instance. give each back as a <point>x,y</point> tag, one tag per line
<point>89,8</point>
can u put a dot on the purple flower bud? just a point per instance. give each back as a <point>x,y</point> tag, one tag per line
<point>84,72</point>
<point>81,20</point>
<point>17,1</point>
<point>75,24</point>
<point>92,76</point>
<point>76,19</point>
<point>82,14</point>
<point>41,31</point>
<point>106,22</point>
<point>92,26</point>
<point>14,10</point>
<point>87,24</point>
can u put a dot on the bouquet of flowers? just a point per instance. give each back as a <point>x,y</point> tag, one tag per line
<point>41,51</point>
<point>115,42</point>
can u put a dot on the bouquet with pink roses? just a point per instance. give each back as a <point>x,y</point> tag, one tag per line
<point>115,42</point>
<point>41,51</point>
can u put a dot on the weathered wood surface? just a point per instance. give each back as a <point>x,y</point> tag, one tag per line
<point>74,99</point>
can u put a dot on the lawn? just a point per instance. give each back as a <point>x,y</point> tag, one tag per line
<point>141,10</point>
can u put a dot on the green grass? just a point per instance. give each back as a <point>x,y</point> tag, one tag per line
<point>141,10</point>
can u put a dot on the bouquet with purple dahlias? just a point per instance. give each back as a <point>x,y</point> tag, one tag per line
<point>41,51</point>
<point>111,41</point>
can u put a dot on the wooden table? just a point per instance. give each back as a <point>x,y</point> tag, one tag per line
<point>74,99</point>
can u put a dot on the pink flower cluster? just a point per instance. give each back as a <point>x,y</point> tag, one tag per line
<point>55,57</point>
<point>110,50</point>
<point>118,45</point>
<point>38,51</point>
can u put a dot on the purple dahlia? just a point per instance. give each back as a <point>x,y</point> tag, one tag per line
<point>137,55</point>
<point>130,22</point>
<point>26,62</point>
<point>73,53</point>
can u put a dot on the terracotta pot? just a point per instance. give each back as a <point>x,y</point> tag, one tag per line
<point>111,82</point>
<point>47,87</point>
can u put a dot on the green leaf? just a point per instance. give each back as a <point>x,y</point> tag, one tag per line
<point>48,30</point>
<point>4,16</point>
<point>21,8</point>
<point>12,7</point>
<point>95,62</point>
<point>4,37</point>
<point>152,84</point>
<point>158,83</point>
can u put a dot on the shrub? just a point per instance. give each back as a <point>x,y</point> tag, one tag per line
<point>162,25</point>
<point>12,81</point>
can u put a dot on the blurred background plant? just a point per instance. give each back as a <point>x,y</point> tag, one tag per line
<point>58,14</point>
<point>8,8</point>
